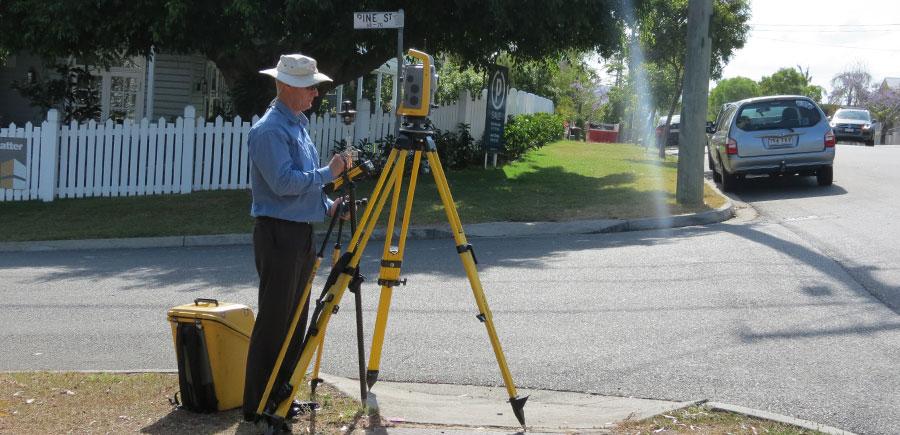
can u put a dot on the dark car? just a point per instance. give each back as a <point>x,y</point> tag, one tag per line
<point>672,139</point>
<point>853,124</point>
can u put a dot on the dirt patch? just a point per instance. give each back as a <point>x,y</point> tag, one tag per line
<point>42,403</point>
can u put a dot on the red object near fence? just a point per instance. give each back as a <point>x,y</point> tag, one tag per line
<point>608,133</point>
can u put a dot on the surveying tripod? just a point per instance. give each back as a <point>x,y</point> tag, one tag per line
<point>416,138</point>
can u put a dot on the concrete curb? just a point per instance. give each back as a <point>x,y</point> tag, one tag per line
<point>489,229</point>
<point>765,415</point>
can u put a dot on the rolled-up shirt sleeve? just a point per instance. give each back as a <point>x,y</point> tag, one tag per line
<point>268,150</point>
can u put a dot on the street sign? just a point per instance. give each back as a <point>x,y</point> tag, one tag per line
<point>495,116</point>
<point>13,161</point>
<point>378,20</point>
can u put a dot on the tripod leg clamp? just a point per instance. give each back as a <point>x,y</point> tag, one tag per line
<point>467,247</point>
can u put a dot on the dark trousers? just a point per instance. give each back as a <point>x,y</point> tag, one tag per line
<point>284,258</point>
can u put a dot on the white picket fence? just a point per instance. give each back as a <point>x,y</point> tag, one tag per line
<point>109,159</point>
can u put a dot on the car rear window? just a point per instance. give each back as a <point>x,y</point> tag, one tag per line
<point>777,114</point>
<point>858,115</point>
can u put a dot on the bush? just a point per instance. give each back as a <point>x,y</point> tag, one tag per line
<point>528,132</point>
<point>458,149</point>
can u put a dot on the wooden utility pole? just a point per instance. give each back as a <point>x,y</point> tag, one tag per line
<point>692,137</point>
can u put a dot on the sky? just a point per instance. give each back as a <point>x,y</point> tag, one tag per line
<point>826,36</point>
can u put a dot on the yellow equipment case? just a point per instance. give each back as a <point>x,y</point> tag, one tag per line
<point>211,341</point>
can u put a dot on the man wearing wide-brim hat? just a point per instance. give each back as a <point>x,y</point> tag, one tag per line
<point>286,184</point>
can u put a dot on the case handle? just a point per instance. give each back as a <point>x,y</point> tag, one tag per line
<point>207,300</point>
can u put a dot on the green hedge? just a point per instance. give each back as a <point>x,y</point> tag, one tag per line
<point>528,132</point>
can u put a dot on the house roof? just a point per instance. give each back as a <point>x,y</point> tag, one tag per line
<point>892,82</point>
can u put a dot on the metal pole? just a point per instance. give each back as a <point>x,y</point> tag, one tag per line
<point>397,88</point>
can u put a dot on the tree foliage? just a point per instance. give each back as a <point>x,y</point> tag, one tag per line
<point>74,90</point>
<point>884,104</point>
<point>728,90</point>
<point>662,34</point>
<point>851,86</point>
<point>243,36</point>
<point>789,81</point>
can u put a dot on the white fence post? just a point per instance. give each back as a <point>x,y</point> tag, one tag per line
<point>363,117</point>
<point>49,154</point>
<point>187,150</point>
<point>462,109</point>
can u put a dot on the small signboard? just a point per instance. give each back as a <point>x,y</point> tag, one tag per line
<point>495,117</point>
<point>13,163</point>
<point>378,20</point>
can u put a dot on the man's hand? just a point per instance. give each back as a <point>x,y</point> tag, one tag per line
<point>339,163</point>
<point>336,205</point>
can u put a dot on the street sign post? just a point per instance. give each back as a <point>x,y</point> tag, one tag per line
<point>378,20</point>
<point>495,115</point>
<point>386,20</point>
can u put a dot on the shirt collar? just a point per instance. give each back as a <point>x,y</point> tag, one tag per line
<point>295,119</point>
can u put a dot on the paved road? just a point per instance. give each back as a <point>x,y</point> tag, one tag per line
<point>767,313</point>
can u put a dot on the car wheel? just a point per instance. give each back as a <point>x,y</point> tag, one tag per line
<point>729,181</point>
<point>825,176</point>
<point>712,167</point>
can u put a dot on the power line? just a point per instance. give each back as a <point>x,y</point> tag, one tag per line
<point>827,31</point>
<point>829,45</point>
<point>824,25</point>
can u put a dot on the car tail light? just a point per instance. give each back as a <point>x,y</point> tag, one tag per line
<point>731,146</point>
<point>829,139</point>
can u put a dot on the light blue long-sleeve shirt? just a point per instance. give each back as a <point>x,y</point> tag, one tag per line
<point>284,178</point>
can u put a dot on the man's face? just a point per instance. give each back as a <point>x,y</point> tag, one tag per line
<point>305,96</point>
<point>301,98</point>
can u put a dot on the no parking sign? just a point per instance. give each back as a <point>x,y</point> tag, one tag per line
<point>495,116</point>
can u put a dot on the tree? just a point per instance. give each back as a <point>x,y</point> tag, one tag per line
<point>243,36</point>
<point>850,86</point>
<point>789,81</point>
<point>574,92</point>
<point>662,31</point>
<point>728,90</point>
<point>884,104</point>
<point>75,91</point>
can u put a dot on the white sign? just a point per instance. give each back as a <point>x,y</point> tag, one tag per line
<point>378,20</point>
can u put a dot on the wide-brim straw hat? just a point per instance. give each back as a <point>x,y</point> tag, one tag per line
<point>297,70</point>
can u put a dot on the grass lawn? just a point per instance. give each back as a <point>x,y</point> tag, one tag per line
<point>563,181</point>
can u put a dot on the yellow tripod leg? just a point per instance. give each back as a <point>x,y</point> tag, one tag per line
<point>329,303</point>
<point>468,259</point>
<point>335,254</point>
<point>391,261</point>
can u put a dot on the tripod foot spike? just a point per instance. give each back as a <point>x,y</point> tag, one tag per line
<point>313,384</point>
<point>517,404</point>
<point>371,378</point>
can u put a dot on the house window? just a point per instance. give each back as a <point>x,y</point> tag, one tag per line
<point>123,93</point>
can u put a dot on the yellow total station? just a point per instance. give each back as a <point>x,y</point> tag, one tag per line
<point>420,82</point>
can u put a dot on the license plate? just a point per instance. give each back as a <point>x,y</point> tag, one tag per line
<point>848,130</point>
<point>780,141</point>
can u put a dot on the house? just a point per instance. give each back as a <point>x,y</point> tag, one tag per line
<point>891,82</point>
<point>159,86</point>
